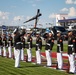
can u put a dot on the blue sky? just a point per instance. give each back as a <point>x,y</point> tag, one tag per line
<point>13,10</point>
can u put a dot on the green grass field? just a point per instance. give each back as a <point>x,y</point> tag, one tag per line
<point>7,67</point>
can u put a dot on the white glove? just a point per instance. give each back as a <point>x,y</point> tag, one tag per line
<point>28,42</point>
<point>61,51</point>
<point>49,50</point>
<point>73,53</point>
<point>48,44</point>
<point>37,44</point>
<point>38,49</point>
<point>30,48</point>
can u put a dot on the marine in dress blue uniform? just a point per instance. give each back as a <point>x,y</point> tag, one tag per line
<point>18,46</point>
<point>10,45</point>
<point>48,48</point>
<point>23,47</point>
<point>38,48</point>
<point>71,52</point>
<point>4,45</point>
<point>29,47</point>
<point>59,50</point>
<point>1,44</point>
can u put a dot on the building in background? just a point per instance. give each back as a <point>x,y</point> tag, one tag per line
<point>69,24</point>
<point>63,20</point>
<point>60,17</point>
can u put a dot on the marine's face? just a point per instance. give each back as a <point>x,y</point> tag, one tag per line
<point>9,35</point>
<point>28,34</point>
<point>37,35</point>
<point>50,34</point>
<point>70,34</point>
<point>58,34</point>
<point>4,35</point>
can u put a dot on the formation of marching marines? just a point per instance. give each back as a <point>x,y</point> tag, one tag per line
<point>18,44</point>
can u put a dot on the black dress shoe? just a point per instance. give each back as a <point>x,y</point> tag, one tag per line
<point>48,66</point>
<point>71,73</point>
<point>38,64</point>
<point>28,61</point>
<point>18,67</point>
<point>58,69</point>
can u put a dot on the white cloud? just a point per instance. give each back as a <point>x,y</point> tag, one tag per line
<point>17,18</point>
<point>70,1</point>
<point>53,15</point>
<point>64,10</point>
<point>72,12</point>
<point>4,15</point>
<point>28,17</point>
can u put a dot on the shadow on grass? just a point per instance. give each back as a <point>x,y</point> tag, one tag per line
<point>33,66</point>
